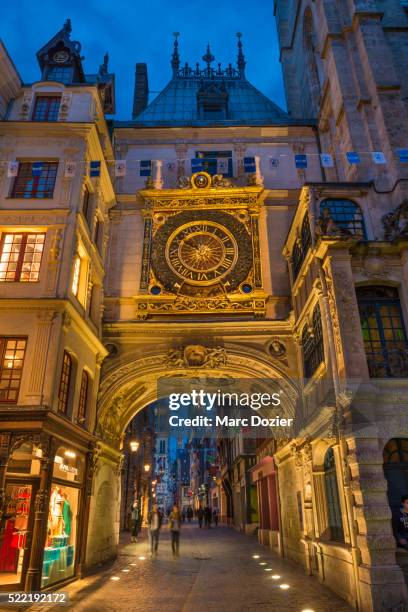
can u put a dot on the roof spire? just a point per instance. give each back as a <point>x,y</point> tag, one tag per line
<point>208,58</point>
<point>67,27</point>
<point>241,63</point>
<point>103,68</point>
<point>175,58</point>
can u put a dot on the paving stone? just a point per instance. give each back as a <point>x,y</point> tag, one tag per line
<point>215,572</point>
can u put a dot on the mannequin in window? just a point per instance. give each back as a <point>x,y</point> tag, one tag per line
<point>55,515</point>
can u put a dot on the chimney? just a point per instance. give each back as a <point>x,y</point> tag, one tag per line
<point>141,95</point>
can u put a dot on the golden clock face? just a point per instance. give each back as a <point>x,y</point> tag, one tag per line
<point>201,252</point>
<point>201,248</point>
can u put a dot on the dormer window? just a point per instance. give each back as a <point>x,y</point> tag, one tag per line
<point>61,74</point>
<point>212,101</point>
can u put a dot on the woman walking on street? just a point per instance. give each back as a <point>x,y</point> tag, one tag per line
<point>175,525</point>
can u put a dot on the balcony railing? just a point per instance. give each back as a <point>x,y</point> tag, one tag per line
<point>388,363</point>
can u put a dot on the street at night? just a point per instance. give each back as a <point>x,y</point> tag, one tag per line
<point>216,570</point>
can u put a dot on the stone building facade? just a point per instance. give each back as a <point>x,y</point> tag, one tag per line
<point>301,279</point>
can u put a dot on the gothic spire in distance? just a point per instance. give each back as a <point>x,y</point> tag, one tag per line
<point>175,58</point>
<point>241,63</point>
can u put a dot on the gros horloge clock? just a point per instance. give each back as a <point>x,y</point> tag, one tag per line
<point>201,252</point>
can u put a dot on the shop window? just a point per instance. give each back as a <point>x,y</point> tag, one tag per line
<point>384,335</point>
<point>301,247</point>
<point>12,352</point>
<point>65,383</point>
<point>17,519</point>
<point>38,185</point>
<point>312,344</point>
<point>60,545</point>
<point>83,397</point>
<point>20,257</point>
<point>14,529</point>
<point>346,215</point>
<point>332,497</point>
<point>46,108</point>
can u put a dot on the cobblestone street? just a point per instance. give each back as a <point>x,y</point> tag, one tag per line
<point>215,571</point>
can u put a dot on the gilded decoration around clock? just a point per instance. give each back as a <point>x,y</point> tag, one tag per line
<point>197,249</point>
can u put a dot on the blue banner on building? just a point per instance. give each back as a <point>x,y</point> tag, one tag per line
<point>196,165</point>
<point>353,158</point>
<point>146,167</point>
<point>301,161</point>
<point>249,165</point>
<point>403,155</point>
<point>95,168</point>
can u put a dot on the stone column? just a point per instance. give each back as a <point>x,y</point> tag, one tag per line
<point>5,448</point>
<point>91,463</point>
<point>342,300</point>
<point>42,498</point>
<point>381,582</point>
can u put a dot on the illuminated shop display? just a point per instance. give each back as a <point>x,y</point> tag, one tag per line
<point>60,544</point>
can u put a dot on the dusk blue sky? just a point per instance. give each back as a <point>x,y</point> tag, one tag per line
<point>135,31</point>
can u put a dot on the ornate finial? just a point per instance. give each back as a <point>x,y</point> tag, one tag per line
<point>67,27</point>
<point>175,58</point>
<point>208,58</point>
<point>241,63</point>
<point>103,68</point>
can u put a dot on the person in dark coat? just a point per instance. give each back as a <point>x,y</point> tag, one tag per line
<point>402,524</point>
<point>200,516</point>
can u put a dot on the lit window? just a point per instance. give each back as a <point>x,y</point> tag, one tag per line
<point>46,108</point>
<point>12,351</point>
<point>76,275</point>
<point>83,397</point>
<point>20,257</point>
<point>65,381</point>
<point>41,185</point>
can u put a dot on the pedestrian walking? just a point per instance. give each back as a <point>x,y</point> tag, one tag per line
<point>183,515</point>
<point>135,522</point>
<point>200,516</point>
<point>175,526</point>
<point>207,517</point>
<point>402,524</point>
<point>189,514</point>
<point>154,523</point>
<point>215,517</point>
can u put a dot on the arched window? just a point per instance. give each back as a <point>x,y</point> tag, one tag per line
<point>312,344</point>
<point>65,383</point>
<point>299,251</point>
<point>345,215</point>
<point>332,497</point>
<point>83,397</point>
<point>384,335</point>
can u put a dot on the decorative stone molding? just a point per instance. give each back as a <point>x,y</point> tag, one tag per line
<point>196,355</point>
<point>26,104</point>
<point>396,223</point>
<point>65,105</point>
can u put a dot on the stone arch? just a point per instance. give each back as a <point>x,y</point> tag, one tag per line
<point>130,386</point>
